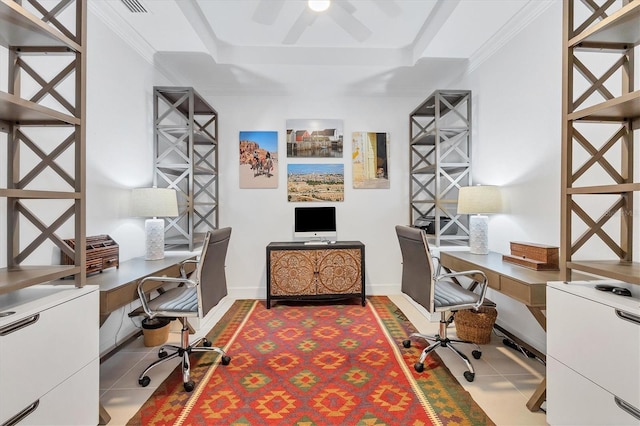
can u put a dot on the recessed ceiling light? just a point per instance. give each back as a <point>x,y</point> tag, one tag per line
<point>319,5</point>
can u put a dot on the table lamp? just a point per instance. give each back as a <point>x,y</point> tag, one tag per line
<point>154,203</point>
<point>478,201</point>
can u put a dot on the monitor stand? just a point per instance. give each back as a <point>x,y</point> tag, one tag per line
<point>315,243</point>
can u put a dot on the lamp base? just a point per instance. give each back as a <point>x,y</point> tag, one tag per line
<point>478,234</point>
<point>154,248</point>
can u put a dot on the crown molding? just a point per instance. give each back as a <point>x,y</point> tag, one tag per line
<point>103,10</point>
<point>513,27</point>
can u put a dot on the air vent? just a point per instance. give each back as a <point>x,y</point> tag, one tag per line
<point>135,6</point>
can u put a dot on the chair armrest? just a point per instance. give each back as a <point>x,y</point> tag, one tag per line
<point>143,297</point>
<point>473,275</point>
<point>183,273</point>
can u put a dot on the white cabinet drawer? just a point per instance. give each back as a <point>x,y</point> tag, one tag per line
<point>73,402</point>
<point>52,345</point>
<point>592,339</point>
<point>574,400</point>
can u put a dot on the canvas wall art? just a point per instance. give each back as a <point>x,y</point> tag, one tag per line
<point>370,152</point>
<point>314,138</point>
<point>315,182</point>
<point>259,159</point>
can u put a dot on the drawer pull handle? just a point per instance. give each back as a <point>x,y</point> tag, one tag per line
<point>628,408</point>
<point>628,317</point>
<point>19,325</point>
<point>22,414</point>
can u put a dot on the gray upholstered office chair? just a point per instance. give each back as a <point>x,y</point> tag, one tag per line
<point>194,297</point>
<point>436,293</point>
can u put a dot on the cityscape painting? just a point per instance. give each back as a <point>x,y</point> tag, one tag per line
<point>315,182</point>
<point>259,159</point>
<point>370,152</point>
<point>314,138</point>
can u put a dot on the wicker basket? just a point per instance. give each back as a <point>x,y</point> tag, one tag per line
<point>155,331</point>
<point>476,326</point>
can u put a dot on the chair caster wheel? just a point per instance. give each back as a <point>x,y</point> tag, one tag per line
<point>206,343</point>
<point>189,386</point>
<point>469,376</point>
<point>144,382</point>
<point>476,354</point>
<point>226,359</point>
<point>406,343</point>
<point>162,354</point>
<point>419,367</point>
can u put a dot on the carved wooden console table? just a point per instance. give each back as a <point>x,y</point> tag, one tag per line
<point>296,271</point>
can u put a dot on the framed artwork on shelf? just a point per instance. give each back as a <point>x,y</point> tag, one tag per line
<point>315,182</point>
<point>370,155</point>
<point>314,138</point>
<point>258,159</point>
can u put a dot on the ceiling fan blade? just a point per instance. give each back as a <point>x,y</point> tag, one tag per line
<point>388,7</point>
<point>306,18</point>
<point>348,22</point>
<point>267,11</point>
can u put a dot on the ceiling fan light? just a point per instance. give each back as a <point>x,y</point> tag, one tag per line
<point>319,5</point>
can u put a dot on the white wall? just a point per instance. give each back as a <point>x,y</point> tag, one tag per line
<point>119,150</point>
<point>259,216</point>
<point>517,145</point>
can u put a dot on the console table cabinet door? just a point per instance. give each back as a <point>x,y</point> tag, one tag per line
<point>293,272</point>
<point>296,271</point>
<point>339,271</point>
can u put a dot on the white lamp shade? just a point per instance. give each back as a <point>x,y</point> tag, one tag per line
<point>479,199</point>
<point>154,202</point>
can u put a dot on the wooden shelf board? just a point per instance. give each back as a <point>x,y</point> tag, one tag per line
<point>19,27</point>
<point>16,109</point>
<point>25,276</point>
<point>615,269</point>
<point>605,189</point>
<point>621,108</point>
<point>622,26</point>
<point>35,194</point>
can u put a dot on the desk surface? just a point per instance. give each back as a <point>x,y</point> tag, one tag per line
<point>118,287</point>
<point>134,269</point>
<point>493,262</point>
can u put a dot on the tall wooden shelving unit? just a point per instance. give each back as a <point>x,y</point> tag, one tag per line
<point>186,159</point>
<point>598,186</point>
<point>440,162</point>
<point>40,127</point>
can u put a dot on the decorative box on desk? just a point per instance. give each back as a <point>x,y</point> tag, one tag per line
<point>297,271</point>
<point>102,253</point>
<point>533,256</point>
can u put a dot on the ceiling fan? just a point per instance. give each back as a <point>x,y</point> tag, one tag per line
<point>341,11</point>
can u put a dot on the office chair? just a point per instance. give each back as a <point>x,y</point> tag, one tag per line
<point>436,293</point>
<point>194,297</point>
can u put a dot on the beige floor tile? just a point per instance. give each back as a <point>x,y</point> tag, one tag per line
<point>122,404</point>
<point>157,374</point>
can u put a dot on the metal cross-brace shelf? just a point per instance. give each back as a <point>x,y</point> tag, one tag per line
<point>186,159</point>
<point>440,163</point>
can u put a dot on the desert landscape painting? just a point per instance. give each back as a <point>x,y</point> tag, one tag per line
<point>258,159</point>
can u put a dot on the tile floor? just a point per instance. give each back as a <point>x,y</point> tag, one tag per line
<point>504,379</point>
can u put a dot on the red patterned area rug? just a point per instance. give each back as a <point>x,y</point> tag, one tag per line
<point>313,364</point>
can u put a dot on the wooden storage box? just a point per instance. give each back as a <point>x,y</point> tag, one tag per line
<point>533,256</point>
<point>102,253</point>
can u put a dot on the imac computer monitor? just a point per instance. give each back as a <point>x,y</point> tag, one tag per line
<point>315,223</point>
